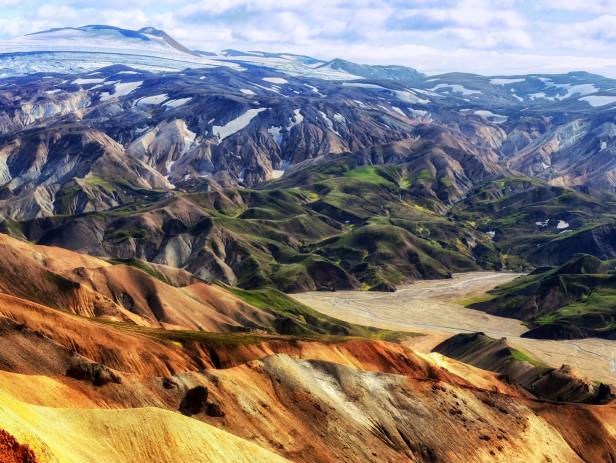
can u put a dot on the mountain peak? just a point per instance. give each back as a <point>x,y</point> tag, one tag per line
<point>166,37</point>
<point>111,37</point>
<point>374,71</point>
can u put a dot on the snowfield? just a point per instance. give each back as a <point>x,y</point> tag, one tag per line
<point>490,116</point>
<point>504,81</point>
<point>409,97</point>
<point>121,89</point>
<point>599,100</point>
<point>275,80</point>
<point>87,81</point>
<point>455,88</point>
<point>361,85</point>
<point>236,124</point>
<point>152,100</point>
<point>176,103</point>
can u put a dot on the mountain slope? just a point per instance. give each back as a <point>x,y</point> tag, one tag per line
<point>336,233</point>
<point>283,402</point>
<point>521,368</point>
<point>571,301</point>
<point>155,296</point>
<point>116,436</point>
<point>375,71</point>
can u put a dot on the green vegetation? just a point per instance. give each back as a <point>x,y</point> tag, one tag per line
<point>474,299</point>
<point>338,224</point>
<point>368,174</point>
<point>524,214</point>
<point>182,337</point>
<point>577,299</point>
<point>11,227</point>
<point>423,175</point>
<point>305,321</point>
<point>520,356</point>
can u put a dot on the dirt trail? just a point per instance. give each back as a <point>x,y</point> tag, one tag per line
<point>429,307</point>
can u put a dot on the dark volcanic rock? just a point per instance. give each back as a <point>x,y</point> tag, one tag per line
<point>97,374</point>
<point>194,401</point>
<point>169,383</point>
<point>599,241</point>
<point>557,331</point>
<point>384,287</point>
<point>214,410</point>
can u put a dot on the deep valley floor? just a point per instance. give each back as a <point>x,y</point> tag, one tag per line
<point>436,308</point>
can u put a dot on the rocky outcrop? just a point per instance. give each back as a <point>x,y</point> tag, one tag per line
<point>560,385</point>
<point>11,451</point>
<point>93,372</point>
<point>598,241</point>
<point>194,401</point>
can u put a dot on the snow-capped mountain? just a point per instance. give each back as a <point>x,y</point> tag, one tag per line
<point>86,48</point>
<point>172,119</point>
<point>105,39</point>
<point>79,49</point>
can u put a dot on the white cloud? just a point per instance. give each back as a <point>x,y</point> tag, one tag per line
<point>589,35</point>
<point>489,36</point>
<point>587,6</point>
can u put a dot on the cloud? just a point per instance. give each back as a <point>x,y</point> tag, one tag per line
<point>433,35</point>
<point>599,32</point>
<point>587,6</point>
<point>469,23</point>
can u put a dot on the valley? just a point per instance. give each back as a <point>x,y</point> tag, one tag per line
<point>436,308</point>
<point>245,256</point>
<point>141,362</point>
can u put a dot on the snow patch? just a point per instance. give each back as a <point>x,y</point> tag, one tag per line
<point>298,118</point>
<point>419,113</point>
<point>572,90</point>
<point>409,97</point>
<point>236,124</point>
<point>535,96</point>
<point>275,80</point>
<point>499,81</point>
<point>599,100</point>
<point>152,100</point>
<point>328,122</point>
<point>275,133</point>
<point>455,88</point>
<point>87,81</point>
<point>490,116</point>
<point>247,91</point>
<point>562,225</point>
<point>177,102</point>
<point>121,89</point>
<point>360,85</point>
<point>314,89</point>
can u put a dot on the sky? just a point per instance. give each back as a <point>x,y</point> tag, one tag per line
<point>483,36</point>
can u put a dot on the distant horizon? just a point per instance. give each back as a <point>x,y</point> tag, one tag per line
<point>486,37</point>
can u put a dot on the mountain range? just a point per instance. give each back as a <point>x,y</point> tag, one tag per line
<point>158,204</point>
<point>347,149</point>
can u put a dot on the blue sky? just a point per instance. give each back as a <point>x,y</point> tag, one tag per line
<point>484,36</point>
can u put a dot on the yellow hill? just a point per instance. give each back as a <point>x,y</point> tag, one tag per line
<point>144,435</point>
